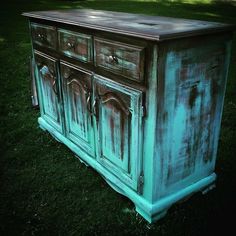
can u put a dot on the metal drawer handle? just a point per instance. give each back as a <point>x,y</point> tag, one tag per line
<point>41,36</point>
<point>94,108</point>
<point>113,59</point>
<point>70,45</point>
<point>88,102</point>
<point>54,87</point>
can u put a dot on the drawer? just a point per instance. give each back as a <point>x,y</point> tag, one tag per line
<point>75,45</point>
<point>123,59</point>
<point>44,35</point>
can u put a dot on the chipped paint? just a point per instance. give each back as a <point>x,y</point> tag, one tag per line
<point>76,89</point>
<point>75,45</point>
<point>118,123</point>
<point>180,85</point>
<point>45,71</point>
<point>189,114</point>
<point>119,58</point>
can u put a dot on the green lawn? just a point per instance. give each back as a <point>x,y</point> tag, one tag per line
<point>45,190</point>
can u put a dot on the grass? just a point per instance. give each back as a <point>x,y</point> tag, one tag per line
<point>44,190</point>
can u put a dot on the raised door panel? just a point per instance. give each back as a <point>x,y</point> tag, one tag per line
<point>118,117</point>
<point>77,93</point>
<point>47,79</point>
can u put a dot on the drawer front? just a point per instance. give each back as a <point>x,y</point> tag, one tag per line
<point>120,58</point>
<point>44,35</point>
<point>75,45</point>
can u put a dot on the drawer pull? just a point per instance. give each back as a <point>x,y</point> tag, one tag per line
<point>113,59</point>
<point>88,102</point>
<point>70,45</point>
<point>120,58</point>
<point>94,108</point>
<point>75,45</point>
<point>54,87</point>
<point>41,36</point>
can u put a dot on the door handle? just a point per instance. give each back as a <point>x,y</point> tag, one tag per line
<point>94,108</point>
<point>54,87</point>
<point>88,102</point>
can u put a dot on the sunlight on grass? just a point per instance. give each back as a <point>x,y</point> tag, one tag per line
<point>211,14</point>
<point>161,1</point>
<point>193,1</point>
<point>71,7</point>
<point>66,7</point>
<point>2,40</point>
<point>25,45</point>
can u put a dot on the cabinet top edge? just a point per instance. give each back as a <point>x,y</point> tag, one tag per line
<point>155,28</point>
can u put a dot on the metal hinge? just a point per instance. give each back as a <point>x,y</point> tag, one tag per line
<point>140,183</point>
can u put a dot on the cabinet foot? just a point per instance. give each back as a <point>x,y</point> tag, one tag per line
<point>151,217</point>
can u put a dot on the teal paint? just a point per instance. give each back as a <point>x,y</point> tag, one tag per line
<point>121,107</point>
<point>47,81</point>
<point>188,120</point>
<point>154,142</point>
<point>76,88</point>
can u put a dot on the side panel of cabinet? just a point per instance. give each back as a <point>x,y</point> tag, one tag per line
<point>117,112</point>
<point>47,80</point>
<point>191,93</point>
<point>77,91</point>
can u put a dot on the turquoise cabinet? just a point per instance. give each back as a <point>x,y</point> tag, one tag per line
<point>118,121</point>
<point>48,88</point>
<point>137,98</point>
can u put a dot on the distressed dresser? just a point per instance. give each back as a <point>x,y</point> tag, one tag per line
<point>138,98</point>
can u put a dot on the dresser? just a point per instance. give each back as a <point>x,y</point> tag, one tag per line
<point>138,98</point>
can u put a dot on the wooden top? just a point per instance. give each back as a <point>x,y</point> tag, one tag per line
<point>149,27</point>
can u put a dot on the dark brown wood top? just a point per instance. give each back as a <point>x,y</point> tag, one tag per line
<point>149,27</point>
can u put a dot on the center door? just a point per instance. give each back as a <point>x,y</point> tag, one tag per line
<point>77,92</point>
<point>117,110</point>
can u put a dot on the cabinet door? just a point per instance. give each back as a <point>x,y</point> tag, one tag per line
<point>77,93</point>
<point>118,118</point>
<point>47,80</point>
